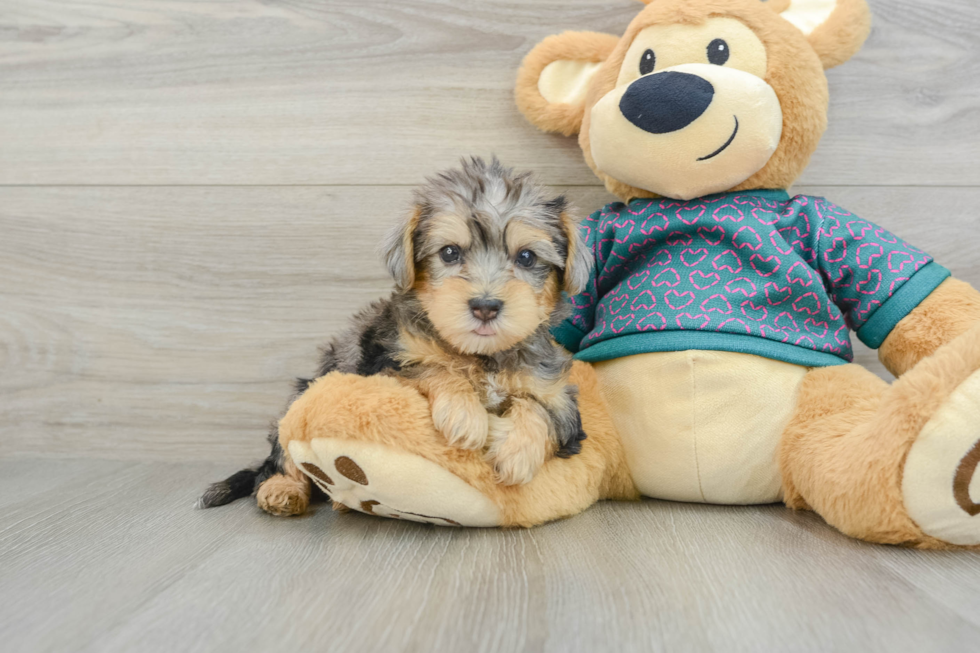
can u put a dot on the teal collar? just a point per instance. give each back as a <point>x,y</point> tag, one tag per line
<point>774,194</point>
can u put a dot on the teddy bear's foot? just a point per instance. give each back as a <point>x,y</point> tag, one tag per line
<point>375,479</point>
<point>941,478</point>
<point>895,464</point>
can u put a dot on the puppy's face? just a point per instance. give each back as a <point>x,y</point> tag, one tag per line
<point>487,282</point>
<point>489,257</point>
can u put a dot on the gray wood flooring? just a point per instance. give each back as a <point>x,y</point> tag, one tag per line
<point>109,556</point>
<point>190,197</point>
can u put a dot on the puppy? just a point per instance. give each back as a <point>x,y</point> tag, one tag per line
<point>479,264</point>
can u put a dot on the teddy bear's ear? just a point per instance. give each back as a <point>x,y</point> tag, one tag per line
<point>835,28</point>
<point>554,78</point>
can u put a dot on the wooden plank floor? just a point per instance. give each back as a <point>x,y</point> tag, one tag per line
<point>109,556</point>
<point>190,197</point>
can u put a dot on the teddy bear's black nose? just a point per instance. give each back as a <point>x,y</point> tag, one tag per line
<point>666,102</point>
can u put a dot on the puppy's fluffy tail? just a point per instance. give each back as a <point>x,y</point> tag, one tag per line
<point>237,486</point>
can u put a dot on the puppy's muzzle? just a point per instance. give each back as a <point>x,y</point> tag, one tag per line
<point>485,309</point>
<point>666,102</point>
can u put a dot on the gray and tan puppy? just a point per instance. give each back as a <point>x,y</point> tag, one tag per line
<point>480,264</point>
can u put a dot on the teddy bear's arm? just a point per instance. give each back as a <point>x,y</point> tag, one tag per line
<point>895,297</point>
<point>950,310</point>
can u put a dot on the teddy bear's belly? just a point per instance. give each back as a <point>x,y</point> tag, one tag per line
<point>702,426</point>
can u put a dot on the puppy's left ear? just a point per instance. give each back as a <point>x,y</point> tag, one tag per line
<point>398,250</point>
<point>836,29</point>
<point>578,260</point>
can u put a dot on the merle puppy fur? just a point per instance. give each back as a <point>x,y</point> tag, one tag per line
<point>480,264</point>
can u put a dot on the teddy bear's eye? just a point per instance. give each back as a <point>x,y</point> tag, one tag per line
<point>718,52</point>
<point>647,62</point>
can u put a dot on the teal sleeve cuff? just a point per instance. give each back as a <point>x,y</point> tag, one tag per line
<point>883,320</point>
<point>568,336</point>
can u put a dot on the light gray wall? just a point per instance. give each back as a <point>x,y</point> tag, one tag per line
<point>191,193</point>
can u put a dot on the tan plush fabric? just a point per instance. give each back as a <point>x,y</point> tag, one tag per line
<point>562,117</point>
<point>379,480</point>
<point>943,507</point>
<point>677,44</point>
<point>565,82</point>
<point>843,33</point>
<point>844,450</point>
<point>808,15</point>
<point>674,164</point>
<point>702,426</point>
<point>951,309</point>
<point>794,70</point>
<point>378,415</point>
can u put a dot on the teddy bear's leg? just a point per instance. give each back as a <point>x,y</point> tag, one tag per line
<point>369,443</point>
<point>896,463</point>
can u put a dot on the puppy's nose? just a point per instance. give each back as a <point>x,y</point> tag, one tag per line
<point>485,309</point>
<point>666,102</point>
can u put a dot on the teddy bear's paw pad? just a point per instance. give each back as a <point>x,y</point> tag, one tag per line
<point>941,479</point>
<point>379,480</point>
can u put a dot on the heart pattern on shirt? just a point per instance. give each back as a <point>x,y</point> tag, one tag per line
<point>799,271</point>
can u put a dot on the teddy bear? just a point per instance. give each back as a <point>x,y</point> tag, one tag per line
<point>713,340</point>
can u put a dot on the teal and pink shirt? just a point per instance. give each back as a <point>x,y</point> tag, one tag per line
<point>755,272</point>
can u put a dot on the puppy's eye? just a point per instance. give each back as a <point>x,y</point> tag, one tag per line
<point>718,52</point>
<point>526,258</point>
<point>449,254</point>
<point>647,62</point>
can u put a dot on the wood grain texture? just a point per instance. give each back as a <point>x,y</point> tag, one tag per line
<point>376,92</point>
<point>102,556</point>
<point>168,322</point>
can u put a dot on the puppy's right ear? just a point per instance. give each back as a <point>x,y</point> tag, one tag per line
<point>578,260</point>
<point>398,250</point>
<point>554,78</point>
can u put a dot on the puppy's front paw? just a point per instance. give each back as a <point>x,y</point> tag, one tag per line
<point>462,419</point>
<point>518,449</point>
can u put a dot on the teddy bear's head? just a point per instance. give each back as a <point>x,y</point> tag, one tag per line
<point>698,96</point>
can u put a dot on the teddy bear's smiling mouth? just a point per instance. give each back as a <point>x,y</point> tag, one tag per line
<point>723,147</point>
